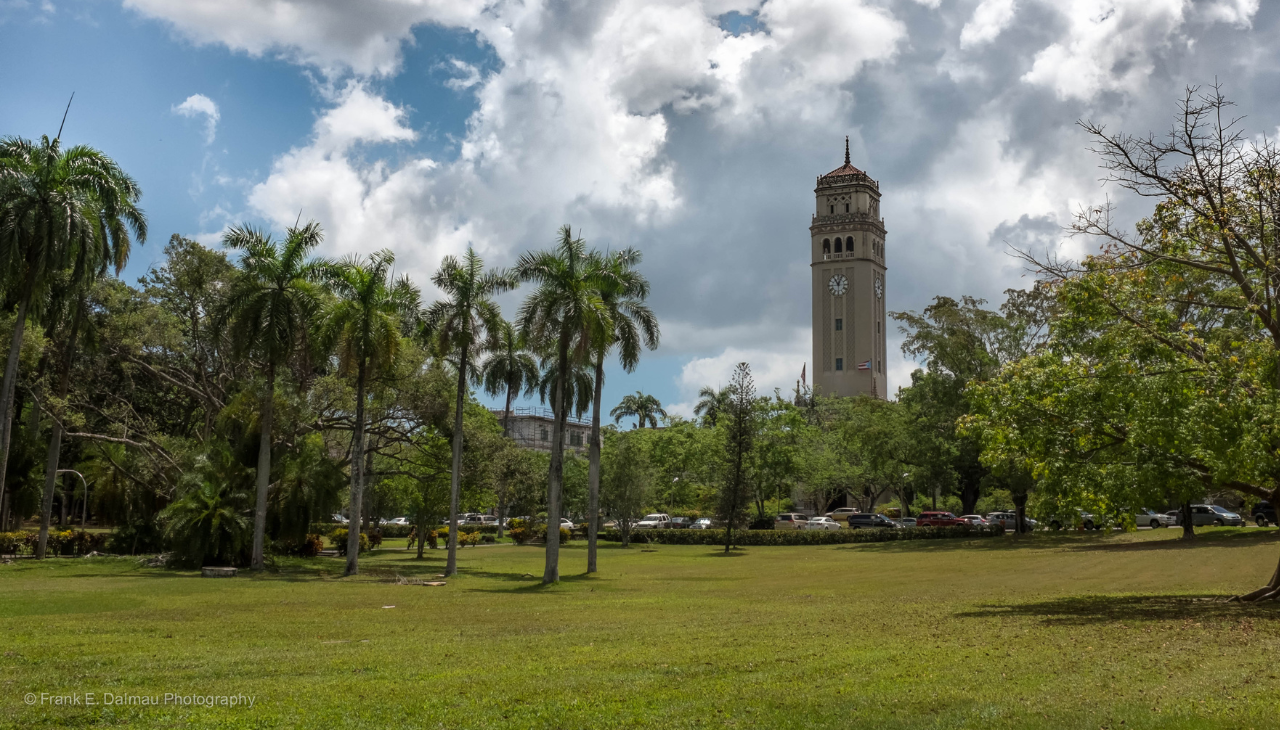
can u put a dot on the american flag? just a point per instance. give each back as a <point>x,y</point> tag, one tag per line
<point>864,365</point>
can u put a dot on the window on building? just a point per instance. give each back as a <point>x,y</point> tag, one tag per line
<point>877,328</point>
<point>839,363</point>
<point>833,210</point>
<point>826,245</point>
<point>879,367</point>
<point>838,245</point>
<point>544,434</point>
<point>839,324</point>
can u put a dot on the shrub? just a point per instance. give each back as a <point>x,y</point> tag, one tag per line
<point>308,547</point>
<point>338,539</point>
<point>752,538</point>
<point>14,543</point>
<point>468,538</point>
<point>136,538</point>
<point>520,535</point>
<point>565,535</point>
<point>433,539</point>
<point>488,539</point>
<point>83,542</point>
<point>58,542</point>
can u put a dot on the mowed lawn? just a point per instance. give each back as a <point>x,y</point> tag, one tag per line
<point>1073,631</point>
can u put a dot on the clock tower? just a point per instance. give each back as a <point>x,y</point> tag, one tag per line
<point>847,255</point>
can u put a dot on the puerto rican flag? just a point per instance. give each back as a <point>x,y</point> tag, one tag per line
<point>864,365</point>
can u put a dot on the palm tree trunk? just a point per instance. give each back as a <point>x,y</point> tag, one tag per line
<point>593,468</point>
<point>560,407</point>
<point>506,433</point>
<point>357,477</point>
<point>264,470</point>
<point>7,387</point>
<point>455,479</point>
<point>55,439</point>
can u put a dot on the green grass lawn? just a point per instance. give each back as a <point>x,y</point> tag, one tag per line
<point>1071,630</point>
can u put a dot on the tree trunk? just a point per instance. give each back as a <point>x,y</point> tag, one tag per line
<point>1270,591</point>
<point>7,387</point>
<point>969,494</point>
<point>55,438</point>
<point>264,471</point>
<point>1020,510</point>
<point>422,533</point>
<point>455,478</point>
<point>357,477</point>
<point>506,433</point>
<point>593,469</point>
<point>560,407</point>
<point>1188,521</point>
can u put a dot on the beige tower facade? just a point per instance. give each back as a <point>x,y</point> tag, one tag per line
<point>847,251</point>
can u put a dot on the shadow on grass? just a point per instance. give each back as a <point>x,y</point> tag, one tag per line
<point>1219,538</point>
<point>1085,610</point>
<point>1230,537</point>
<point>527,580</point>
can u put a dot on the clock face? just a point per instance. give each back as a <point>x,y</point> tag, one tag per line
<point>838,285</point>
<point>879,288</point>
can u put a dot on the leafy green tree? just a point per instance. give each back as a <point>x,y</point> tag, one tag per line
<point>633,326</point>
<point>61,211</point>
<point>740,430</point>
<point>645,408</point>
<point>565,311</point>
<point>509,371</point>
<point>459,323</point>
<point>271,307</point>
<point>627,479</point>
<point>364,326</point>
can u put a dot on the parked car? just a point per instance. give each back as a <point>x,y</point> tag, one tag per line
<point>1084,519</point>
<point>841,514</point>
<point>681,523</point>
<point>340,519</point>
<point>790,521</point>
<point>1150,518</point>
<point>567,524</point>
<point>480,520</point>
<point>938,519</point>
<point>1009,520</point>
<point>821,523</point>
<point>400,521</point>
<point>906,521</point>
<point>702,523</point>
<point>656,521</point>
<point>1212,514</point>
<point>1264,514</point>
<point>866,521</point>
<point>975,520</point>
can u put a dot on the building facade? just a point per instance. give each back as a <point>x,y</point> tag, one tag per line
<point>532,427</point>
<point>847,253</point>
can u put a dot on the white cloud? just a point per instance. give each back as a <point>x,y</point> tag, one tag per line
<point>1113,45</point>
<point>776,366</point>
<point>989,19</point>
<point>198,105</point>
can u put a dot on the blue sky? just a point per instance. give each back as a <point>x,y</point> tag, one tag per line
<point>691,129</point>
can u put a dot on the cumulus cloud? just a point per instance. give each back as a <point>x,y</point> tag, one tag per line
<point>646,123</point>
<point>199,105</point>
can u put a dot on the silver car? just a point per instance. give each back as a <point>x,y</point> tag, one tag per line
<point>1212,514</point>
<point>1152,519</point>
<point>1009,520</point>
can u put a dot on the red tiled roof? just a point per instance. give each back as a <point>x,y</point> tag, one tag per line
<point>845,169</point>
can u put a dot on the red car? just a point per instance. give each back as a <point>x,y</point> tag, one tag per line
<point>938,519</point>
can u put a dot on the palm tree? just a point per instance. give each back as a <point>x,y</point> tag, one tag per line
<point>459,322</point>
<point>269,309</point>
<point>711,403</point>
<point>578,397</point>
<point>364,324</point>
<point>564,309</point>
<point>60,210</point>
<point>623,291</point>
<point>509,369</point>
<point>645,408</point>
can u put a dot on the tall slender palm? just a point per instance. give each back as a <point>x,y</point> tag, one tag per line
<point>59,209</point>
<point>269,309</point>
<point>459,323</point>
<point>644,408</point>
<point>711,403</point>
<point>364,326</point>
<point>578,384</point>
<point>623,290</point>
<point>565,310</point>
<point>509,369</point>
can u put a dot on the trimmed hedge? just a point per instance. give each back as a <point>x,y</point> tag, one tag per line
<point>752,538</point>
